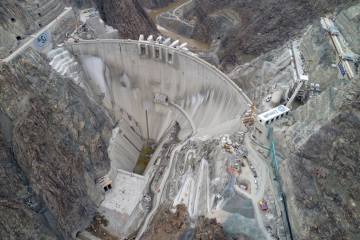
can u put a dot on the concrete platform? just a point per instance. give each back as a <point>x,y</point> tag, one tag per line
<point>122,200</point>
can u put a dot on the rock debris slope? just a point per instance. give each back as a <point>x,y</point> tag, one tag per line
<point>17,220</point>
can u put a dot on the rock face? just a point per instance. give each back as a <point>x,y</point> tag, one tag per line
<point>208,229</point>
<point>326,171</point>
<point>57,149</point>
<point>128,17</point>
<point>345,21</point>
<point>155,3</point>
<point>18,220</point>
<point>167,225</point>
<point>81,4</point>
<point>254,27</point>
<point>320,141</point>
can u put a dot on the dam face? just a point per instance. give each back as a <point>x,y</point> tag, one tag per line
<point>146,86</point>
<point>131,75</point>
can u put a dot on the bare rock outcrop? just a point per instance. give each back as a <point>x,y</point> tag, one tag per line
<point>319,141</point>
<point>325,171</point>
<point>128,17</point>
<point>168,225</point>
<point>253,27</point>
<point>208,229</point>
<point>19,19</point>
<point>20,217</point>
<point>59,144</point>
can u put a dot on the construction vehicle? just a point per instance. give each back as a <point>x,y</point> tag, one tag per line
<point>228,148</point>
<point>263,205</point>
<point>250,116</point>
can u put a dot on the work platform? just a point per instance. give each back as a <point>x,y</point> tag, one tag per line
<point>122,200</point>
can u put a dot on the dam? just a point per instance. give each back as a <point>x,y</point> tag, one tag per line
<point>129,75</point>
<point>112,125</point>
<point>130,81</point>
<point>158,95</point>
<point>146,86</point>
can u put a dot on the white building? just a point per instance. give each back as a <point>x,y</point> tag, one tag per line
<point>273,114</point>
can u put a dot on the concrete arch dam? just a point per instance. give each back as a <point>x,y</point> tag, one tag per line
<point>130,75</point>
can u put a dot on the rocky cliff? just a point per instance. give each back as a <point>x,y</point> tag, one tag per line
<point>320,140</point>
<point>19,210</point>
<point>253,27</point>
<point>19,19</point>
<point>56,140</point>
<point>325,180</point>
<point>167,225</point>
<point>128,17</point>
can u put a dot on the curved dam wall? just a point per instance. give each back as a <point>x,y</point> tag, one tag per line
<point>129,74</point>
<point>146,86</point>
